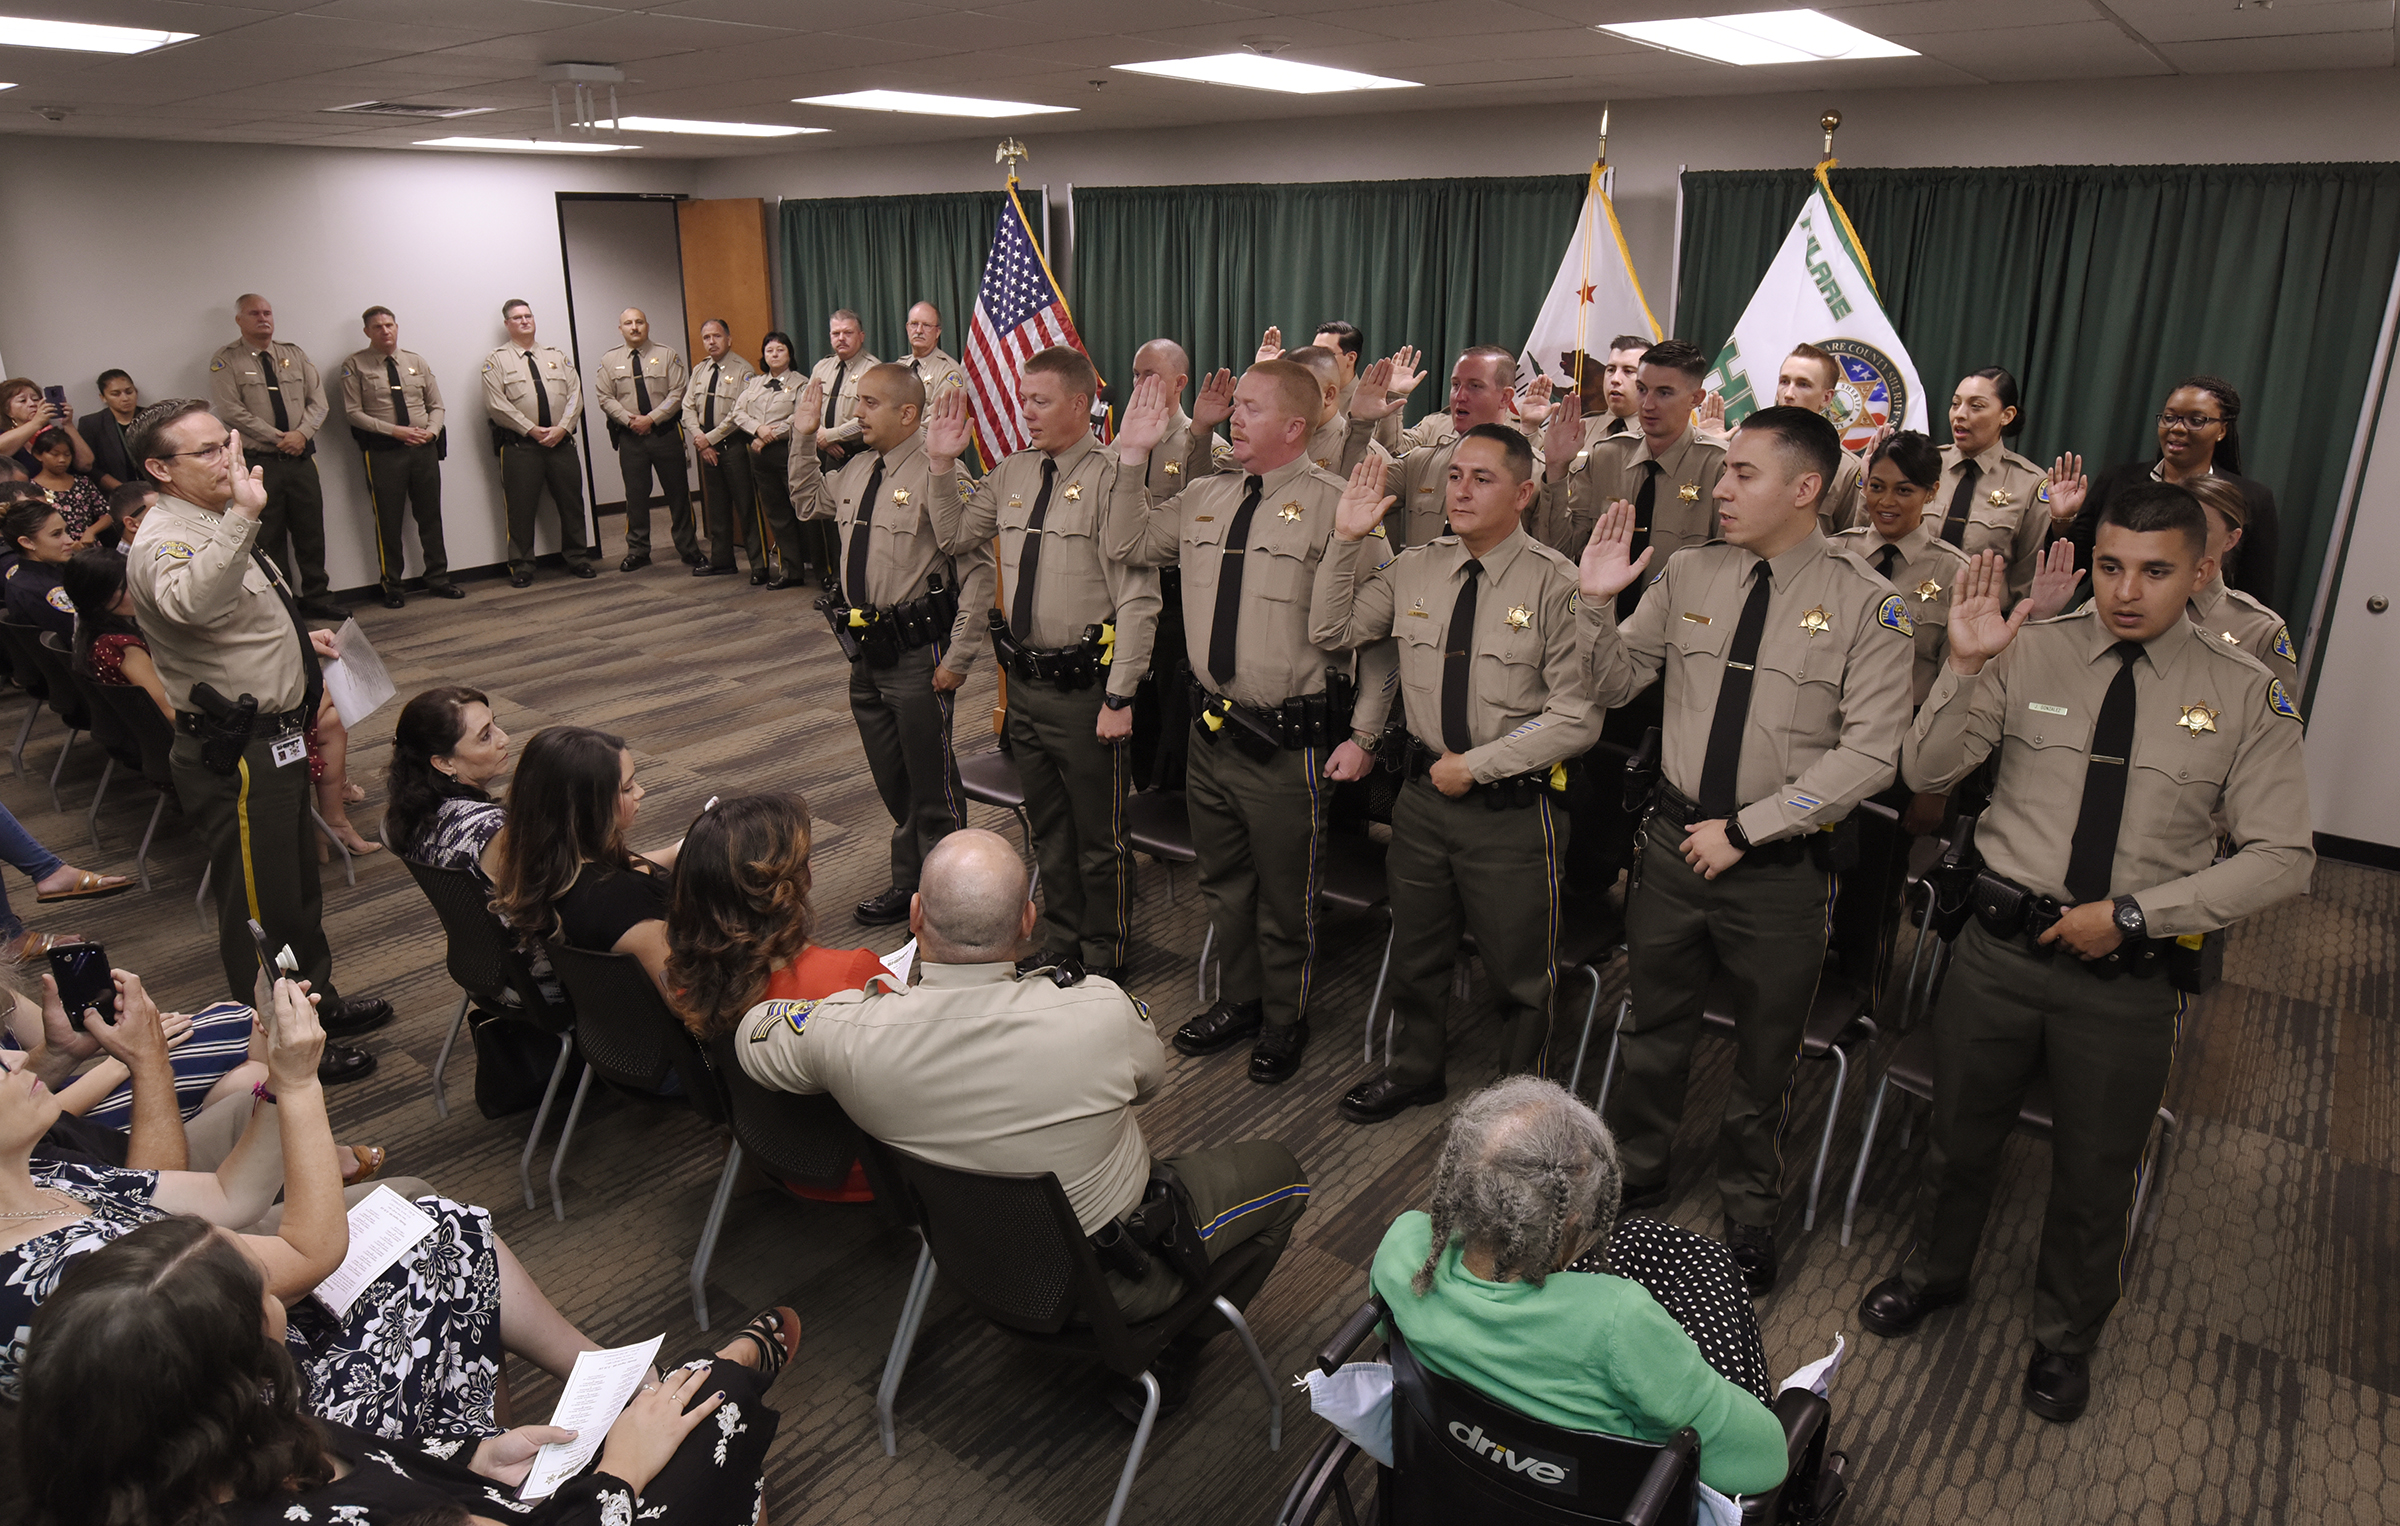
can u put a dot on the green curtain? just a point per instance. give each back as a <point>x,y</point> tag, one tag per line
<point>2098,287</point>
<point>878,255</point>
<point>1440,264</point>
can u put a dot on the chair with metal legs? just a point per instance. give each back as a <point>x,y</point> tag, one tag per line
<point>800,1141</point>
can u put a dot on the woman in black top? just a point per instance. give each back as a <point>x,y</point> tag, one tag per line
<point>2198,436</point>
<point>563,869</point>
<point>110,434</point>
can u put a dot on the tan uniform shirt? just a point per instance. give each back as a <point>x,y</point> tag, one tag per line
<point>845,399</point>
<point>2238,620</point>
<point>1075,585</point>
<point>2216,737</point>
<point>937,370</point>
<point>367,392</point>
<point>1926,575</point>
<point>1683,509</point>
<point>1828,701</point>
<point>1388,433</point>
<point>1845,502</point>
<point>1185,455</point>
<point>1421,481</point>
<point>904,551</point>
<point>1335,447</point>
<point>1273,657</point>
<point>768,400</point>
<point>975,1068</point>
<point>239,394</point>
<point>2008,516</point>
<point>721,382</point>
<point>211,614</point>
<point>662,372</point>
<point>508,388</point>
<point>1528,702</point>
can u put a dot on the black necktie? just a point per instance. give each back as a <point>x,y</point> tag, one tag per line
<point>833,394</point>
<point>541,392</point>
<point>1720,769</point>
<point>266,368</point>
<point>854,582</point>
<point>1029,555</point>
<point>1223,625</point>
<point>1887,562</point>
<point>308,650</point>
<point>708,410</point>
<point>1458,653</point>
<point>1962,505</point>
<point>774,384</point>
<point>2093,856</point>
<point>1645,506</point>
<point>641,384</point>
<point>391,369</point>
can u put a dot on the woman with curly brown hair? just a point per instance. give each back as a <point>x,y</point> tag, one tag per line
<point>561,865</point>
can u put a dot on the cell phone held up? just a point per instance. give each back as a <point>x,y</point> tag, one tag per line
<point>84,981</point>
<point>57,398</point>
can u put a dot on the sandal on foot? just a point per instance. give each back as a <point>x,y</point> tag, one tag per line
<point>31,947</point>
<point>89,887</point>
<point>776,1334</point>
<point>370,1159</point>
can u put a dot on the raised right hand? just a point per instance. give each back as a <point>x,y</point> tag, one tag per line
<point>249,482</point>
<point>1148,413</point>
<point>1608,568</point>
<point>1563,437</point>
<point>1375,398</point>
<point>1270,345</point>
<point>654,1425</point>
<point>947,429</point>
<point>1214,405</point>
<point>2068,487</point>
<point>1979,632</point>
<point>808,413</point>
<point>1406,374</point>
<point>1364,502</point>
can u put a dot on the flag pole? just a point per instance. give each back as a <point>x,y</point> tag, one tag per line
<point>1831,121</point>
<point>1010,154</point>
<point>1582,314</point>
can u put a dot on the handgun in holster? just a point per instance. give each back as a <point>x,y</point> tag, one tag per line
<point>224,728</point>
<point>1952,879</point>
<point>1641,778</point>
<point>836,611</point>
<point>1165,1224</point>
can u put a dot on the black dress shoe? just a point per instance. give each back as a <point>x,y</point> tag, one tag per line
<point>2058,1384</point>
<point>445,590</point>
<point>518,579</point>
<point>634,563</point>
<point>358,1014</point>
<point>341,1063</point>
<point>758,575</point>
<point>1753,1250</point>
<point>1275,1058</point>
<point>1638,1197</point>
<point>394,601</point>
<point>891,906</point>
<point>693,559</point>
<point>1220,1027</point>
<point>1892,1308</point>
<point>323,608</point>
<point>1374,1101</point>
<point>777,584</point>
<point>583,569</point>
<point>708,570</point>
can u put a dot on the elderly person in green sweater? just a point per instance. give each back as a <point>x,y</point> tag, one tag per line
<point>1527,1182</point>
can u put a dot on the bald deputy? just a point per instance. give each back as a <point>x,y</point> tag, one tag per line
<point>639,386</point>
<point>2129,740</point>
<point>271,393</point>
<point>981,1069</point>
<point>1785,668</point>
<point>394,406</point>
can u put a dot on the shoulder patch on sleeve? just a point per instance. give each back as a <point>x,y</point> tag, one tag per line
<point>217,364</point>
<point>773,1014</point>
<point>1892,614</point>
<point>2279,700</point>
<point>167,551</point>
<point>2281,646</point>
<point>59,601</point>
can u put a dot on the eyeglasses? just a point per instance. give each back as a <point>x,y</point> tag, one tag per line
<point>2188,420</point>
<point>205,453</point>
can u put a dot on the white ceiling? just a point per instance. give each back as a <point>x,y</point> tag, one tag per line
<point>266,70</point>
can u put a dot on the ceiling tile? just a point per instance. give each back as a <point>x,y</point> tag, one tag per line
<point>2171,21</point>
<point>2075,50</point>
<point>2330,50</point>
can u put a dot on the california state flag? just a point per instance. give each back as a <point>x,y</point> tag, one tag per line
<point>1594,298</point>
<point>1819,291</point>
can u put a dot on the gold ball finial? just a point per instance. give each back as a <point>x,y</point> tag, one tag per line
<point>1829,121</point>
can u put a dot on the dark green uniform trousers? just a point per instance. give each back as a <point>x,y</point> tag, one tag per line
<point>525,470</point>
<point>296,512</point>
<point>904,723</point>
<point>1457,863</point>
<point>1258,830</point>
<point>263,858</point>
<point>761,483</point>
<point>638,457</point>
<point>1075,797</point>
<point>1756,935</point>
<point>722,511</point>
<point>2008,1017</point>
<point>397,482</point>
<point>1253,1190</point>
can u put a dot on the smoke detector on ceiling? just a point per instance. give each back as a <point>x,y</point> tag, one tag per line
<point>414,110</point>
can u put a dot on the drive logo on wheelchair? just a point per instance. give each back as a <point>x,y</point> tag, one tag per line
<point>1550,1472</point>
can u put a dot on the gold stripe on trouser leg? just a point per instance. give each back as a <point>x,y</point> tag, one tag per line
<point>241,816</point>
<point>383,570</point>
<point>1312,768</point>
<point>1119,856</point>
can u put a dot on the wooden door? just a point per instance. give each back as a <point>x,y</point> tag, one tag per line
<point>725,272</point>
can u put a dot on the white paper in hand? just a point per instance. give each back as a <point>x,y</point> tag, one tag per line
<point>597,1391</point>
<point>384,1227</point>
<point>356,678</point>
<point>902,960</point>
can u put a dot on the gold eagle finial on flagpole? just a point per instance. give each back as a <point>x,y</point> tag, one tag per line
<point>1011,153</point>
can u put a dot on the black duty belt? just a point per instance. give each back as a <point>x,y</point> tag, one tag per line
<point>878,633</point>
<point>1676,811</point>
<point>1303,721</point>
<point>189,722</point>
<point>2015,914</point>
<point>1510,794</point>
<point>1069,668</point>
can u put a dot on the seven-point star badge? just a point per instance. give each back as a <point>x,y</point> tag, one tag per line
<point>1519,617</point>
<point>2198,718</point>
<point>1814,622</point>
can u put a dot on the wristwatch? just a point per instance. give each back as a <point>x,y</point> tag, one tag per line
<point>2129,918</point>
<point>1117,701</point>
<point>1734,833</point>
<point>1365,741</point>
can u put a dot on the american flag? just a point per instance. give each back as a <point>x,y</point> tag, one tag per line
<point>1018,312</point>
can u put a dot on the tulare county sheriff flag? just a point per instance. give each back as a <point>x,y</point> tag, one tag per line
<point>1819,291</point>
<point>1594,297</point>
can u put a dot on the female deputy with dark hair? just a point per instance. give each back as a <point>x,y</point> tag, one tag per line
<point>158,1390</point>
<point>1900,542</point>
<point>34,530</point>
<point>2198,438</point>
<point>446,751</point>
<point>563,869</point>
<point>110,433</point>
<point>1988,498</point>
<point>760,472</point>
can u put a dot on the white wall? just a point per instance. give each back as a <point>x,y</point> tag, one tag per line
<point>2255,118</point>
<point>130,254</point>
<point>620,254</point>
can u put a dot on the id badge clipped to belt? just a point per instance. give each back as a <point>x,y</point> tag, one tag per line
<point>289,749</point>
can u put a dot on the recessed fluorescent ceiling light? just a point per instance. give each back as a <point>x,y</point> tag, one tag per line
<point>718,129</point>
<point>1251,71</point>
<point>84,36</point>
<point>927,105</point>
<point>521,145</point>
<point>1765,37</point>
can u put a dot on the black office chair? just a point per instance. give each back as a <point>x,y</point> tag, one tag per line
<point>18,639</point>
<point>1158,823</point>
<point>1459,1456</point>
<point>1354,881</point>
<point>629,1039</point>
<point>118,743</point>
<point>153,740</point>
<point>991,777</point>
<point>802,1141</point>
<point>64,699</point>
<point>1013,1247</point>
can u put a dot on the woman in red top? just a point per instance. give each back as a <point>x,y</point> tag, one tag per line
<point>738,926</point>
